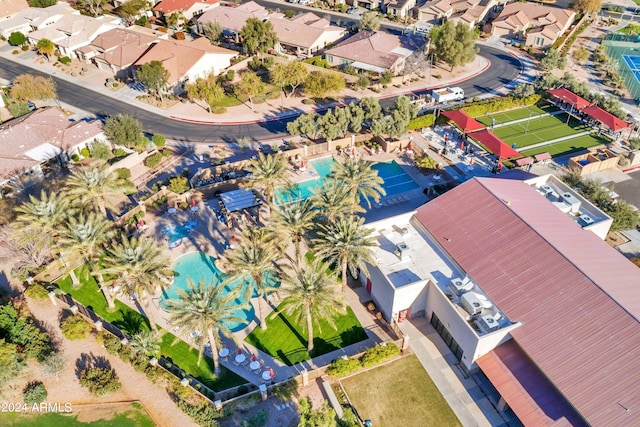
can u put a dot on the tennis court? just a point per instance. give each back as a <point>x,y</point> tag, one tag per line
<point>569,146</point>
<point>519,114</point>
<point>539,130</point>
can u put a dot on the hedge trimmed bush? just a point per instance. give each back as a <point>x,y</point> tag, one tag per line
<point>37,292</point>
<point>159,140</point>
<point>153,160</point>
<point>17,39</point>
<point>420,122</point>
<point>100,381</point>
<point>75,328</point>
<point>123,173</point>
<point>34,393</point>
<point>85,153</point>
<point>110,342</point>
<point>482,108</point>
<point>373,356</point>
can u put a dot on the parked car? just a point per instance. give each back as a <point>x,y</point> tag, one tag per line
<point>304,2</point>
<point>352,10</point>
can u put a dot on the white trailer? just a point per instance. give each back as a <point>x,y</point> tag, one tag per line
<point>448,94</point>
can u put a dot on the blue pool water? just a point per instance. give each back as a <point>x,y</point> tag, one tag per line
<point>177,232</point>
<point>199,265</point>
<point>396,180</point>
<point>633,62</point>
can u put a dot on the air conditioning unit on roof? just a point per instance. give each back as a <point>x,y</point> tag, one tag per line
<point>585,220</point>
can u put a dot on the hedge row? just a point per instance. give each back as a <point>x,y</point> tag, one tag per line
<point>373,356</point>
<point>482,108</point>
<point>422,122</point>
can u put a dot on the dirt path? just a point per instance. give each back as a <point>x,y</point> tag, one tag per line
<point>135,385</point>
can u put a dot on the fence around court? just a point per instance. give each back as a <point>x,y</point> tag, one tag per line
<point>619,45</point>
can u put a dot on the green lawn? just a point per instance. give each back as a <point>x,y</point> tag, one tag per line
<point>520,113</point>
<point>399,394</point>
<point>131,321</point>
<point>539,130</point>
<point>569,146</point>
<point>287,341</point>
<point>135,416</point>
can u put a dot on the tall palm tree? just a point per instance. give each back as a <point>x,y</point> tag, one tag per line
<point>267,172</point>
<point>145,342</point>
<point>334,199</point>
<point>346,243</point>
<point>294,220</point>
<point>42,217</point>
<point>254,261</point>
<point>311,294</point>
<point>94,186</point>
<point>206,308</point>
<point>140,265</point>
<point>361,179</point>
<point>83,239</point>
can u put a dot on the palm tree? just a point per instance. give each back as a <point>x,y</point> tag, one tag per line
<point>267,172</point>
<point>45,47</point>
<point>206,308</point>
<point>94,185</point>
<point>346,243</point>
<point>310,294</point>
<point>334,199</point>
<point>146,342</point>
<point>294,220</point>
<point>41,218</point>
<point>361,179</point>
<point>140,265</point>
<point>254,261</point>
<point>84,237</point>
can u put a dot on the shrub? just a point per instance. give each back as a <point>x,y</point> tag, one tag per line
<point>100,381</point>
<point>18,109</point>
<point>101,151</point>
<point>75,328</point>
<point>34,393</point>
<point>123,173</point>
<point>231,74</point>
<point>166,153</point>
<point>110,342</point>
<point>119,152</point>
<point>377,354</point>
<point>159,140</point>
<point>343,366</point>
<point>15,52</point>
<point>37,292</point>
<point>153,160</point>
<point>421,122</point>
<point>25,47</point>
<point>65,60</point>
<point>482,108</point>
<point>85,153</point>
<point>75,157</point>
<point>203,414</point>
<point>17,39</point>
<point>53,365</point>
<point>218,110</point>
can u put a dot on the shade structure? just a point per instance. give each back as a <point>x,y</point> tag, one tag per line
<point>565,95</point>
<point>609,120</point>
<point>463,120</point>
<point>495,144</point>
<point>238,199</point>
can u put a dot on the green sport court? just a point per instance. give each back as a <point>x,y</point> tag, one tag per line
<point>519,114</point>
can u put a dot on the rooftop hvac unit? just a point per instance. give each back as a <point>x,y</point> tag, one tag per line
<point>460,286</point>
<point>488,323</point>
<point>471,303</point>
<point>585,220</point>
<point>564,207</point>
<point>572,201</point>
<point>546,189</point>
<point>401,249</point>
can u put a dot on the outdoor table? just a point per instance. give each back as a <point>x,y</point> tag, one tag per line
<point>224,352</point>
<point>255,365</point>
<point>266,375</point>
<point>195,208</point>
<point>240,358</point>
<point>171,210</point>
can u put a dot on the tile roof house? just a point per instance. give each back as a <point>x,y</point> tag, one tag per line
<point>471,12</point>
<point>44,135</point>
<point>373,51</point>
<point>400,8</point>
<point>34,18</point>
<point>188,8</point>
<point>367,4</point>
<point>534,24</point>
<point>232,19</point>
<point>10,8</point>
<point>117,49</point>
<point>72,32</point>
<point>515,276</point>
<point>188,60</point>
<point>305,34</point>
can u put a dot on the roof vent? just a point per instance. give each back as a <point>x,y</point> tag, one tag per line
<point>585,220</point>
<point>401,248</point>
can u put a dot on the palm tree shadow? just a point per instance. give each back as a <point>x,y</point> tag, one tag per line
<point>292,328</point>
<point>131,322</point>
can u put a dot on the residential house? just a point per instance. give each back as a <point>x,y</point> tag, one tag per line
<point>188,60</point>
<point>534,24</point>
<point>71,32</point>
<point>117,49</point>
<point>10,8</point>
<point>516,278</point>
<point>188,8</point>
<point>367,4</point>
<point>306,34</point>
<point>373,51</point>
<point>44,135</point>
<point>34,18</point>
<point>401,8</point>
<point>471,12</point>
<point>232,19</point>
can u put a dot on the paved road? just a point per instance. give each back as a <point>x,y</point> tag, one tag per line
<point>504,68</point>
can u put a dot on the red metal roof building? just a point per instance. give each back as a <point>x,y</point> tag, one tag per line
<point>569,97</point>
<point>609,120</point>
<point>577,299</point>
<point>495,144</point>
<point>463,120</point>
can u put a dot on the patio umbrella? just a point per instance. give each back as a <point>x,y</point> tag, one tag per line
<point>193,202</point>
<point>462,145</point>
<point>273,374</point>
<point>239,351</point>
<point>253,357</point>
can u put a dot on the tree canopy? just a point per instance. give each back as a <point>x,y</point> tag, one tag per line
<point>123,129</point>
<point>205,89</point>
<point>454,45</point>
<point>213,32</point>
<point>586,6</point>
<point>322,83</point>
<point>45,47</point>
<point>258,36</point>
<point>28,87</point>
<point>250,85</point>
<point>552,60</point>
<point>292,74</point>
<point>42,3</point>
<point>153,76</point>
<point>132,8</point>
<point>369,21</point>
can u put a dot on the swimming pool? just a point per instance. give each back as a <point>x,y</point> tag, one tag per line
<point>197,265</point>
<point>396,180</point>
<point>177,232</point>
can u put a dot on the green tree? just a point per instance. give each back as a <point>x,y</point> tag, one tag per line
<point>454,45</point>
<point>27,87</point>
<point>361,179</point>
<point>34,393</point>
<point>309,417</point>
<point>175,20</point>
<point>94,187</point>
<point>348,244</point>
<point>132,8</point>
<point>294,220</point>
<point>140,266</point>
<point>123,129</point>
<point>371,108</point>
<point>355,114</point>
<point>45,47</point>
<point>267,172</point>
<point>42,3</point>
<point>75,328</point>
<point>53,365</point>
<point>213,31</point>
<point>292,74</point>
<point>311,294</point>
<point>10,361</point>
<point>206,89</point>
<point>83,238</point>
<point>586,6</point>
<point>385,78</point>
<point>17,39</point>
<point>333,200</point>
<point>250,86</point>
<point>401,115</point>
<point>328,126</point>
<point>322,83</point>
<point>552,60</point>
<point>258,36</point>
<point>305,124</point>
<point>253,262</point>
<point>101,151</point>
<point>625,216</point>
<point>369,21</point>
<point>154,77</point>
<point>523,90</point>
<point>146,342</point>
<point>100,381</point>
<point>93,6</point>
<point>363,82</point>
<point>580,55</point>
